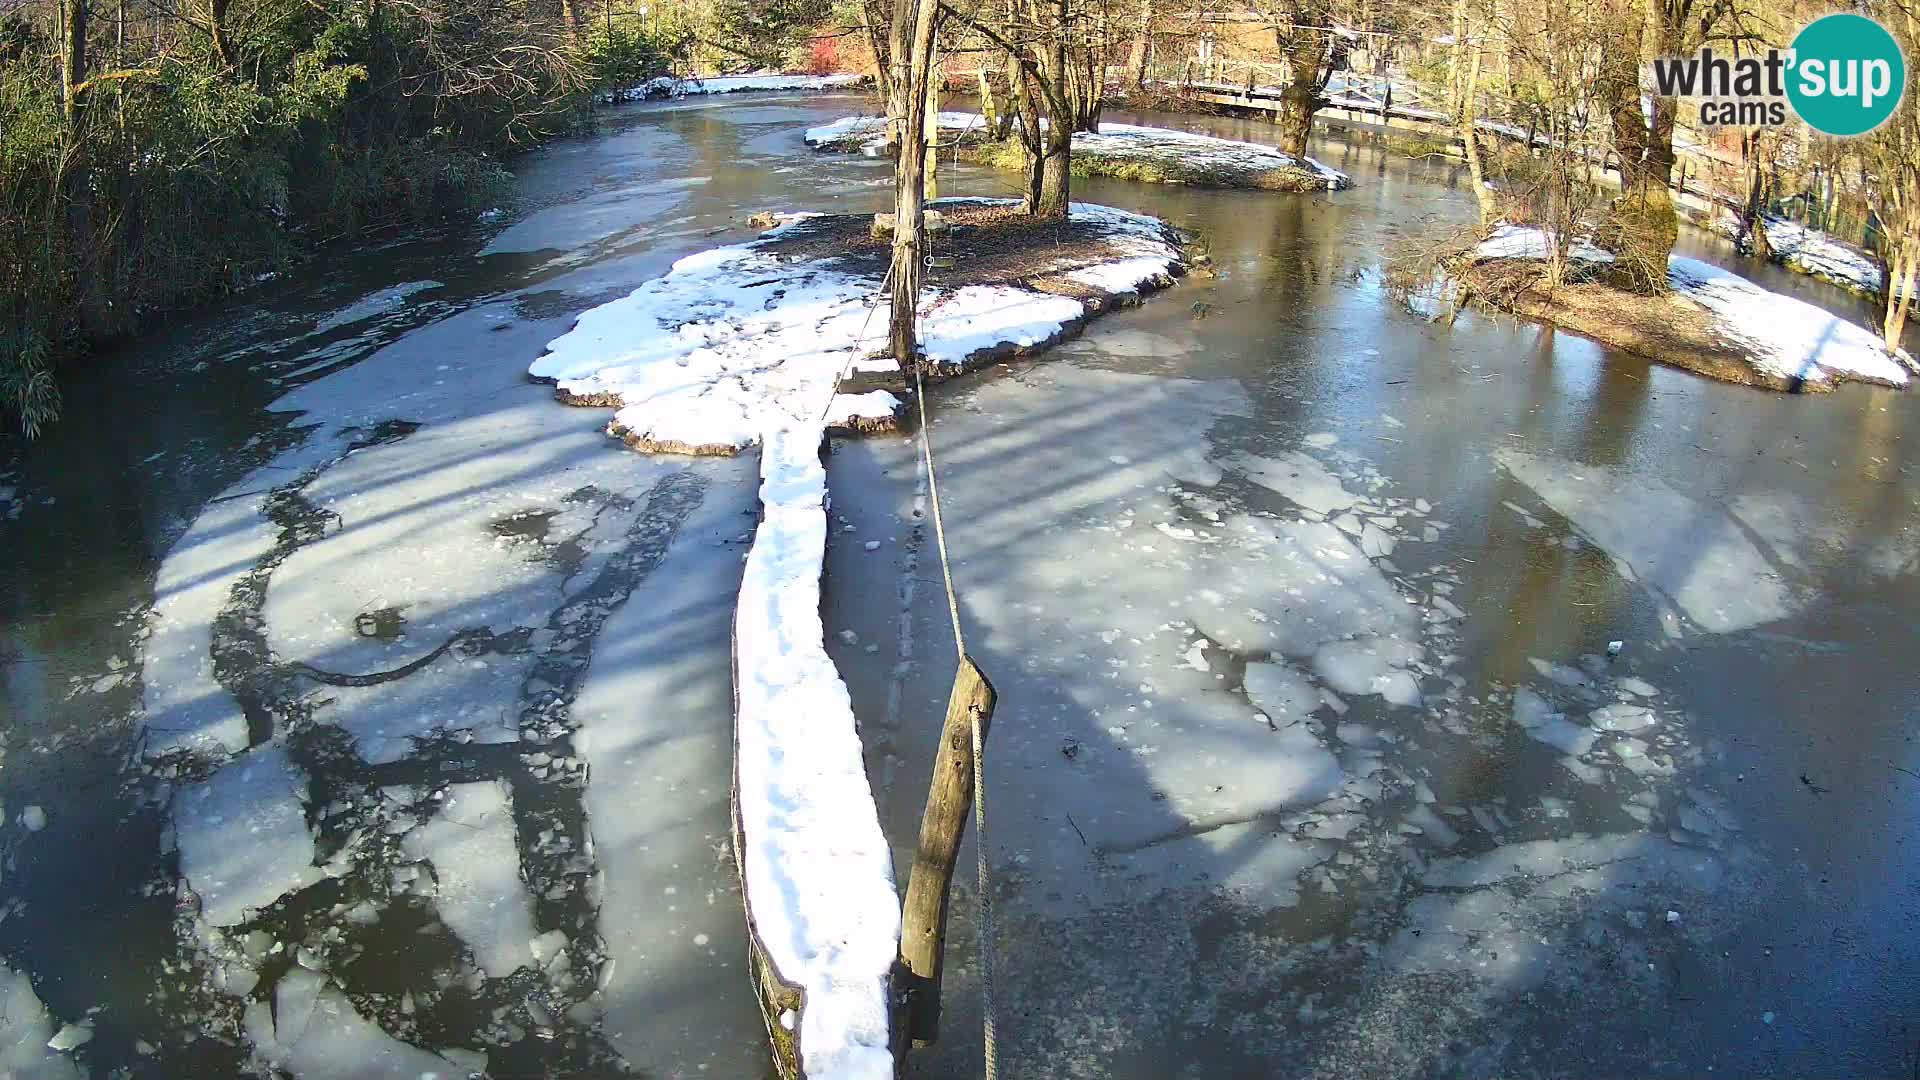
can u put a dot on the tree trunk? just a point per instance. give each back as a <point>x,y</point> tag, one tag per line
<point>1899,285</point>
<point>1056,176</point>
<point>932,181</point>
<point>1648,225</point>
<point>217,29</point>
<point>1470,137</point>
<point>1026,99</point>
<point>73,60</point>
<point>1305,46</point>
<point>1142,42</point>
<point>910,49</point>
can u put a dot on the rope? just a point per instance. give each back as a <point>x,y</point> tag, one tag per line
<point>984,909</point>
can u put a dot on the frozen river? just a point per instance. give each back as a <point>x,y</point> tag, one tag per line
<point>1377,697</point>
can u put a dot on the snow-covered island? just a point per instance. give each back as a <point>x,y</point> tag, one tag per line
<point>669,86</point>
<point>1812,252</point>
<point>1711,321</point>
<point>772,342</point>
<point>1128,151</point>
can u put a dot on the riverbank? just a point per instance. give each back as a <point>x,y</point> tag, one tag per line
<point>1711,321</point>
<point>756,344</point>
<point>1811,252</point>
<point>674,86</point>
<point>1153,155</point>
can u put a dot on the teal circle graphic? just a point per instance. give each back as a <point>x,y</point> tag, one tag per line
<point>1847,75</point>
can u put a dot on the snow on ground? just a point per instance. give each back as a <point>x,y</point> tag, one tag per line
<point>26,1031</point>
<point>1790,338</point>
<point>1531,242</point>
<point>740,345</point>
<point>740,340</point>
<point>868,135</point>
<point>1787,338</point>
<point>666,86</point>
<point>819,874</point>
<point>1814,253</point>
<point>1691,555</point>
<point>1202,151</point>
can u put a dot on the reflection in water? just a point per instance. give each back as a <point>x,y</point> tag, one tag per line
<point>1487,891</point>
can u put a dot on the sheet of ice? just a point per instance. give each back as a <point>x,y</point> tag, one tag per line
<point>1622,717</point>
<point>818,871</point>
<point>243,837</point>
<point>1687,552</point>
<point>1284,695</point>
<point>376,303</point>
<point>25,1028</point>
<point>476,868</point>
<point>313,1032</point>
<point>1790,338</point>
<point>1533,713</point>
<point>185,708</point>
<point>656,735</point>
<point>1370,665</point>
<point>1289,587</point>
<point>1298,476</point>
<point>1501,918</point>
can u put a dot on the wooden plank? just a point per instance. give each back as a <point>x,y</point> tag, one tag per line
<point>923,929</point>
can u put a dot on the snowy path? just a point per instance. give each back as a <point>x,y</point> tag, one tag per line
<point>741,346</point>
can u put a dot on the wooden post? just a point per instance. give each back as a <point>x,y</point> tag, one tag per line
<point>923,924</point>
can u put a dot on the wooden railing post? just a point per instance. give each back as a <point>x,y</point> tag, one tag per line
<point>923,923</point>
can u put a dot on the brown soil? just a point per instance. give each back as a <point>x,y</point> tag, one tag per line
<point>986,244</point>
<point>1669,329</point>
